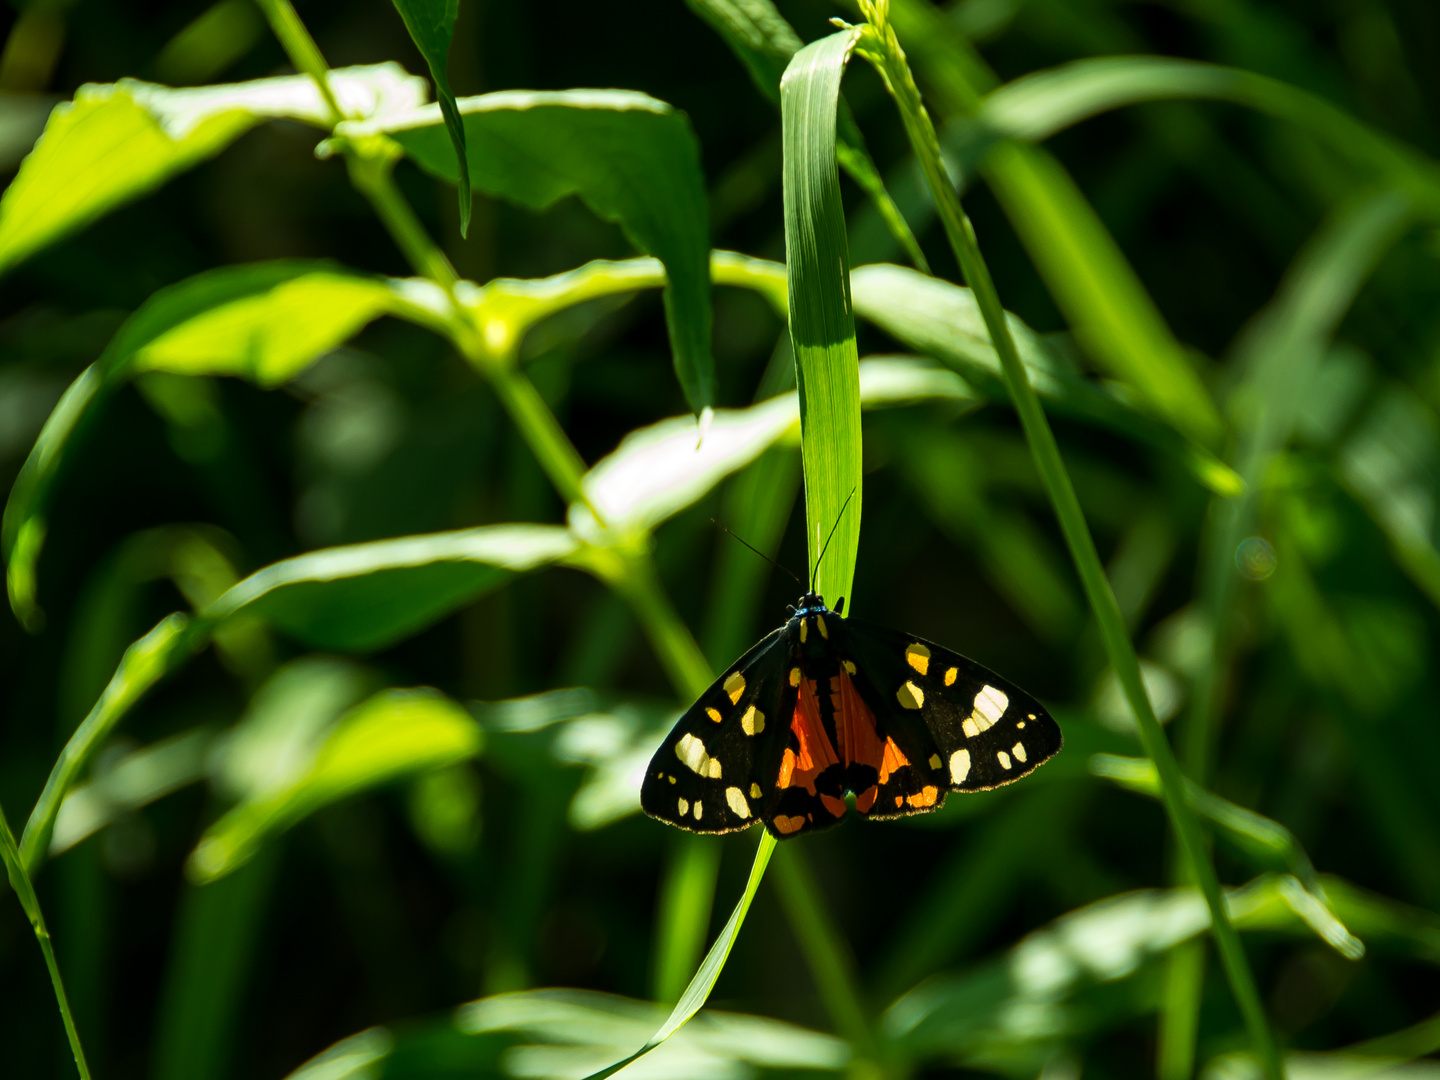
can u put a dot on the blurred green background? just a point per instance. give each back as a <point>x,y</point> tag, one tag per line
<point>523,865</point>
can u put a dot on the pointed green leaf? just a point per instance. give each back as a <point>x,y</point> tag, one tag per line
<point>432,24</point>
<point>366,596</point>
<point>630,158</point>
<point>116,142</point>
<point>397,733</point>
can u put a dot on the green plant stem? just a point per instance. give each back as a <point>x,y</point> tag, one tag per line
<point>300,47</point>
<point>371,164</point>
<point>880,46</point>
<point>25,890</point>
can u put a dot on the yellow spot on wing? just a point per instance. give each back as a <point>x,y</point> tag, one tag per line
<point>1019,751</point>
<point>910,696</point>
<point>820,622</point>
<point>959,766</point>
<point>754,791</point>
<point>699,806</point>
<point>918,657</point>
<point>736,798</point>
<point>684,806</point>
<point>794,676</point>
<point>804,631</point>
<point>691,751</point>
<point>734,686</point>
<point>934,761</point>
<point>753,722</point>
<point>848,666</point>
<point>950,676</point>
<point>714,714</point>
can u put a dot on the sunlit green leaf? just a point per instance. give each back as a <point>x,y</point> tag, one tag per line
<point>630,158</point>
<point>397,733</point>
<point>366,596</point>
<point>265,322</point>
<point>116,142</point>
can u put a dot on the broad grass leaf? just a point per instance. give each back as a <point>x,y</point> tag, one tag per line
<point>265,322</point>
<point>1065,979</point>
<point>431,24</point>
<point>822,326</point>
<point>631,159</point>
<point>116,142</point>
<point>395,734</point>
<point>657,471</point>
<point>568,1032</point>
<point>367,596</point>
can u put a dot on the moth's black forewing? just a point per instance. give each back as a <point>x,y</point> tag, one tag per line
<point>720,766</point>
<point>972,730</point>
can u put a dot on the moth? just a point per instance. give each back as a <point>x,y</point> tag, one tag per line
<point>825,706</point>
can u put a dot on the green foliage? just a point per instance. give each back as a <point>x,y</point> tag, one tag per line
<point>426,571</point>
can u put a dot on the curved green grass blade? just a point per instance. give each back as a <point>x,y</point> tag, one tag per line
<point>631,159</point>
<point>1037,106</point>
<point>145,663</point>
<point>116,142</point>
<point>431,24</point>
<point>822,324</point>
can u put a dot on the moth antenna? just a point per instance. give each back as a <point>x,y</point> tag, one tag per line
<point>757,551</point>
<point>826,548</point>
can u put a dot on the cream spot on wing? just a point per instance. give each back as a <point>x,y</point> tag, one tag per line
<point>684,806</point>
<point>794,676</point>
<point>754,791</point>
<point>991,703</point>
<point>918,657</point>
<point>950,676</point>
<point>691,751</point>
<point>848,666</point>
<point>910,696</point>
<point>734,686</point>
<point>714,714</point>
<point>1004,759</point>
<point>736,798</point>
<point>820,622</point>
<point>753,722</point>
<point>1019,751</point>
<point>670,778</point>
<point>699,806</point>
<point>959,766</point>
<point>934,761</point>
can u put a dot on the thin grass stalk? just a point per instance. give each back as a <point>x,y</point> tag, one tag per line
<point>25,890</point>
<point>880,46</point>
